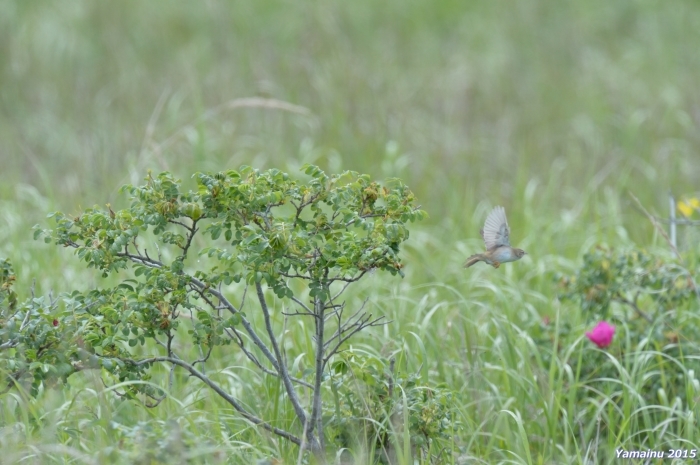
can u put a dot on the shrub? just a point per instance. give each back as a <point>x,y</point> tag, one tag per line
<point>653,297</point>
<point>304,241</point>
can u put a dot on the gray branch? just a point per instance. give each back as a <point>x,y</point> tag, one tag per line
<point>282,364</point>
<point>206,380</point>
<point>246,324</point>
<point>316,412</point>
<point>235,335</point>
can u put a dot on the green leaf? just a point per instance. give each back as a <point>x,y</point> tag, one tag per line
<point>340,367</point>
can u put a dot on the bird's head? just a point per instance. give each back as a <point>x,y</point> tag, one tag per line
<point>519,253</point>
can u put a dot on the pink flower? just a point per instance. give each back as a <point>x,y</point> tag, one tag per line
<point>602,334</point>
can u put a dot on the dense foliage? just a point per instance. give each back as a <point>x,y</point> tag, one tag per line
<point>652,299</point>
<point>306,242</point>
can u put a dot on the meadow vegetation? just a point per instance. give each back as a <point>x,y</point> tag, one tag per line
<point>556,111</point>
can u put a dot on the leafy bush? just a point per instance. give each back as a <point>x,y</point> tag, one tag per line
<point>608,276</point>
<point>374,406</point>
<point>653,298</point>
<point>305,242</point>
<point>38,346</point>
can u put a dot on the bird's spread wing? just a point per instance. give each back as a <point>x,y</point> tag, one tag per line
<point>496,231</point>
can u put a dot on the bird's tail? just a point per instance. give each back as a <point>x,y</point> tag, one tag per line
<point>473,259</point>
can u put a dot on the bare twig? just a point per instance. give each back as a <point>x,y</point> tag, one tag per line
<point>364,322</point>
<point>297,313</point>
<point>214,386</point>
<point>191,231</point>
<point>656,225</point>
<point>633,304</point>
<point>25,322</point>
<point>343,327</point>
<point>9,344</point>
<point>204,358</point>
<point>246,324</point>
<point>334,278</point>
<point>668,240</point>
<point>235,335</point>
<point>245,293</point>
<point>143,259</point>
<point>345,286</point>
<point>659,219</point>
<point>302,305</point>
<point>282,364</point>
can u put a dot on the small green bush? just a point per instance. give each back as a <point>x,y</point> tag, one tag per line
<point>182,256</point>
<point>653,300</point>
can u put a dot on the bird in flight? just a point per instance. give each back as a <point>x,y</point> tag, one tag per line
<point>496,235</point>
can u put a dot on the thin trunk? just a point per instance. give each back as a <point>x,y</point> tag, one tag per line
<point>316,412</point>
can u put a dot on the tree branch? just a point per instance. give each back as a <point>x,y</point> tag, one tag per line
<point>239,341</point>
<point>633,304</point>
<point>9,344</point>
<point>246,324</point>
<point>282,364</point>
<point>302,305</point>
<point>345,286</point>
<point>192,230</point>
<point>206,380</point>
<point>316,417</point>
<point>668,241</point>
<point>334,278</point>
<point>143,259</point>
<point>347,330</point>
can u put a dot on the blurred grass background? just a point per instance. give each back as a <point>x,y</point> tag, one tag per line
<point>553,109</point>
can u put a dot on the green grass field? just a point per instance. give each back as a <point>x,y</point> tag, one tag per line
<point>555,110</point>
